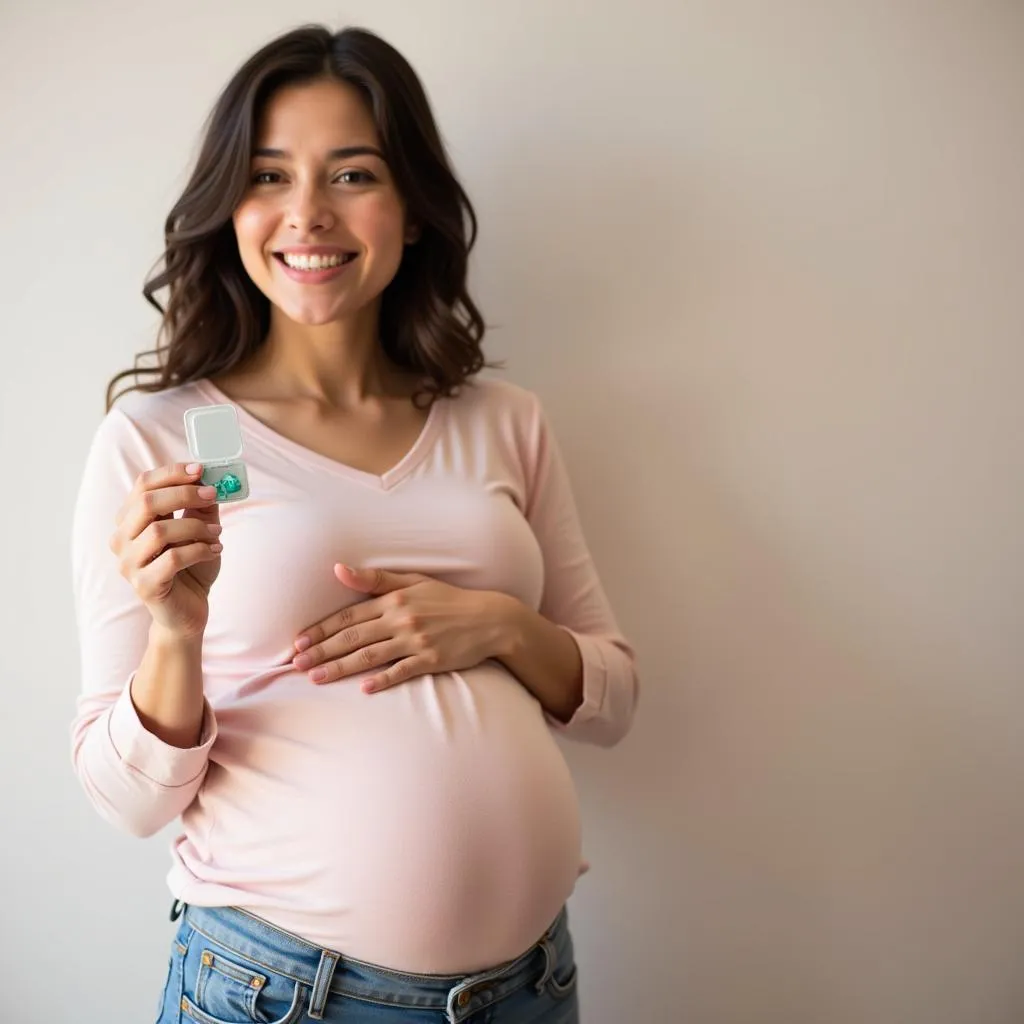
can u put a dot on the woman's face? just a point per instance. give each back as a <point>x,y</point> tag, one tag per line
<point>320,198</point>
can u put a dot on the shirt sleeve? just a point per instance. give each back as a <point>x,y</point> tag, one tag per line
<point>574,598</point>
<point>132,778</point>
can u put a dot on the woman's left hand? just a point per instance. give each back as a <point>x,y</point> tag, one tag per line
<point>420,624</point>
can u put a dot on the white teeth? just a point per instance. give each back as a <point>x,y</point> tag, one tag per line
<point>314,262</point>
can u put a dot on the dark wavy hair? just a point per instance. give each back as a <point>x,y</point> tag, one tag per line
<point>215,317</point>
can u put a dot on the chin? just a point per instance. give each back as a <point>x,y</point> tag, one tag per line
<point>313,317</point>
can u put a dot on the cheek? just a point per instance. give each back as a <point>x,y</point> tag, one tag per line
<point>379,223</point>
<point>251,230</point>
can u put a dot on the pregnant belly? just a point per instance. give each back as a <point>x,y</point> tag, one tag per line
<point>430,828</point>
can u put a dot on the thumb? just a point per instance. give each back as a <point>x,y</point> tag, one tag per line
<point>375,581</point>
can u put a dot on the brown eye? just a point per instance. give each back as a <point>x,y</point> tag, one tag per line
<point>260,176</point>
<point>355,177</point>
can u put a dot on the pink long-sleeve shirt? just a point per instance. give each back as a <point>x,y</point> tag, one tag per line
<point>432,827</point>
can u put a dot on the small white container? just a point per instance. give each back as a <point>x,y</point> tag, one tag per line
<point>215,440</point>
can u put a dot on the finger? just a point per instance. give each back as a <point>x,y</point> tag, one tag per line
<point>401,672</point>
<point>363,660</point>
<point>345,618</point>
<point>165,533</point>
<point>176,473</point>
<point>150,505</point>
<point>375,581</point>
<point>127,519</point>
<point>152,582</point>
<point>205,513</point>
<point>342,643</point>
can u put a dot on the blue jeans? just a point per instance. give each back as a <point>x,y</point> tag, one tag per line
<point>230,967</point>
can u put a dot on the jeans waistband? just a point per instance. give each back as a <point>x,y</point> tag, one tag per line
<point>327,971</point>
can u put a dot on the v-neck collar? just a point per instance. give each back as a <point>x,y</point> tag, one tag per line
<point>384,482</point>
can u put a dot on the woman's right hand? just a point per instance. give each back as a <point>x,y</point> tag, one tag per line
<point>170,561</point>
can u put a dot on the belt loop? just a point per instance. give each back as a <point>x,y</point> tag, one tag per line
<point>458,997</point>
<point>322,984</point>
<point>550,962</point>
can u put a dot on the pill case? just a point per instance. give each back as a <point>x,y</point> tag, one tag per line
<point>215,440</point>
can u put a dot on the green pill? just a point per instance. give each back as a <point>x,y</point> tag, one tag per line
<point>228,484</point>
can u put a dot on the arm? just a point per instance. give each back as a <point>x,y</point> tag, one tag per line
<point>167,689</point>
<point>139,761</point>
<point>542,656</point>
<point>571,655</point>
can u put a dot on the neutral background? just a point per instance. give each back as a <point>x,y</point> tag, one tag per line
<point>763,262</point>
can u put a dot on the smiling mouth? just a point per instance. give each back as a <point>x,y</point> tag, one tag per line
<point>315,262</point>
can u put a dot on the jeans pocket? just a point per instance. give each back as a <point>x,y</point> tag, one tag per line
<point>224,987</point>
<point>562,982</point>
<point>559,975</point>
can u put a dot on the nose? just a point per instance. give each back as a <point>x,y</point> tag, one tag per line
<point>308,209</point>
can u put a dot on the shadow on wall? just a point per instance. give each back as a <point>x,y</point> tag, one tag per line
<point>784,800</point>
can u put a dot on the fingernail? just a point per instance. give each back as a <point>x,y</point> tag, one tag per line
<point>302,661</point>
<point>302,643</point>
<point>193,468</point>
<point>318,675</point>
<point>207,492</point>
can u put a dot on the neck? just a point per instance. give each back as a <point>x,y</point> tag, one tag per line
<point>340,364</point>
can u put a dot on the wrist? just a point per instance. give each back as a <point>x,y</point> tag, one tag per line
<point>161,636</point>
<point>507,618</point>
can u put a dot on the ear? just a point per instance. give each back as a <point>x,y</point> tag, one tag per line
<point>412,234</point>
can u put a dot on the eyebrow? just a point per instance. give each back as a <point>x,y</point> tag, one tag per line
<point>335,154</point>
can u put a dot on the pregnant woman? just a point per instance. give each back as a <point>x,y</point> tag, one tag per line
<point>346,684</point>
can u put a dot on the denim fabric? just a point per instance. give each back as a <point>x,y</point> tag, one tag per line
<point>230,967</point>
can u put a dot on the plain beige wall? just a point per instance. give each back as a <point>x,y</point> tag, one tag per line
<point>763,261</point>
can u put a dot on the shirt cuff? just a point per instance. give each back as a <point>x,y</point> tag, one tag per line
<point>149,755</point>
<point>595,681</point>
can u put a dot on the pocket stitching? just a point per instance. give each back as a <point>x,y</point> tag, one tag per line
<point>234,972</point>
<point>196,1013</point>
<point>248,958</point>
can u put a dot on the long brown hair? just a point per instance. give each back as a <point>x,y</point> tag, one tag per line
<point>216,317</point>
